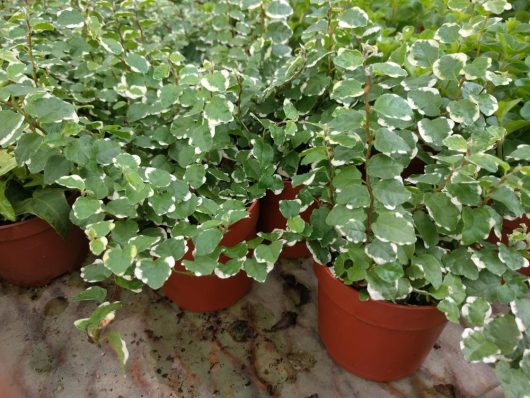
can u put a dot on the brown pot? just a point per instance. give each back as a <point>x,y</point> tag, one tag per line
<point>32,253</point>
<point>376,340</point>
<point>211,293</point>
<point>271,218</point>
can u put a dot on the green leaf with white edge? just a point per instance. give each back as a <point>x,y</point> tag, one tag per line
<point>137,63</point>
<point>394,228</point>
<point>195,175</point>
<point>507,196</point>
<point>353,196</point>
<point>217,81</point>
<point>496,6</point>
<point>158,178</point>
<point>290,110</point>
<point>348,59</point>
<point>450,66</point>
<point>476,347</point>
<point>218,111</point>
<point>93,293</point>
<point>173,247</point>
<point>230,268</point>
<point>290,208</point>
<point>99,319</point>
<point>476,310</point>
<point>206,241</point>
<point>353,17</point>
<point>450,309</point>
<point>119,346</point>
<point>477,68</point>
<point>383,166</point>
<point>381,252</point>
<point>98,245</point>
<point>50,109</point>
<point>460,262</point>
<point>487,103</point>
<point>56,167</point>
<point>424,53</point>
<point>344,91</point>
<point>279,9</point>
<point>435,131</point>
<point>430,267</point>
<point>202,265</point>
<point>390,142</point>
<point>119,260</point>
<point>426,228</point>
<point>390,69</point>
<point>10,127</point>
<point>477,224</point>
<point>296,224</point>
<point>73,181</point>
<point>70,19</point>
<point>84,208</point>
<point>426,100</point>
<point>390,193</point>
<point>255,270</point>
<point>522,152</point>
<point>512,258</point>
<point>456,143</point>
<point>503,331</point>
<point>111,45</point>
<point>521,310</point>
<point>154,273</point>
<point>95,272</point>
<point>463,111</point>
<point>488,259</point>
<point>393,106</point>
<point>448,33</point>
<point>7,162</point>
<point>442,210</point>
<point>268,254</point>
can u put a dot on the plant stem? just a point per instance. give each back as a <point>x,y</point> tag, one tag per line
<point>369,143</point>
<point>29,39</point>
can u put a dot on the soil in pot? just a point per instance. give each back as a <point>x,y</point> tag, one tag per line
<point>271,218</point>
<point>32,253</point>
<point>507,228</point>
<point>211,293</point>
<point>376,340</point>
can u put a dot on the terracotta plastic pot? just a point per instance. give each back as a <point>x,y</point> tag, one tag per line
<point>507,228</point>
<point>376,340</point>
<point>211,293</point>
<point>271,218</point>
<point>32,253</point>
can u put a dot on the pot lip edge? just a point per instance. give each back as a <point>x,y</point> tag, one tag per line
<point>386,303</point>
<point>32,219</point>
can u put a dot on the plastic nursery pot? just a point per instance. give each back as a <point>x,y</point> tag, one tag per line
<point>271,218</point>
<point>376,340</point>
<point>32,253</point>
<point>507,228</point>
<point>211,293</point>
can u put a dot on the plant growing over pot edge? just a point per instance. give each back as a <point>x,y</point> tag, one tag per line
<point>421,240</point>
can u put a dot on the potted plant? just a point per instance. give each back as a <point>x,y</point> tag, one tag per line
<point>404,254</point>
<point>37,241</point>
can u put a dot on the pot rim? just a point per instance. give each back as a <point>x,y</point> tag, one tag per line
<point>19,223</point>
<point>385,303</point>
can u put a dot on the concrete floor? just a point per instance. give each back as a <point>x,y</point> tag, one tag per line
<point>265,345</point>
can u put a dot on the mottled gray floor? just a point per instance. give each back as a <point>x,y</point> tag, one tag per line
<point>265,345</point>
